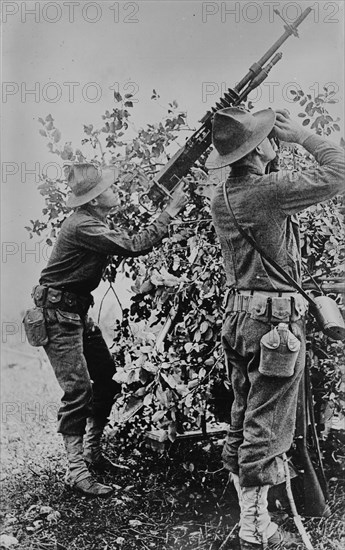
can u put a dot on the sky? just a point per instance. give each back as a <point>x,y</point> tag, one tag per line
<point>66,58</point>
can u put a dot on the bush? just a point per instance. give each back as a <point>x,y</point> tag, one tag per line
<point>167,346</point>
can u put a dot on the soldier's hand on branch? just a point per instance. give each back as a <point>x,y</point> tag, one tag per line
<point>178,200</point>
<point>287,129</point>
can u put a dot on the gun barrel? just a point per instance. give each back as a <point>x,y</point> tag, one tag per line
<point>179,165</point>
<point>263,74</point>
<point>257,67</point>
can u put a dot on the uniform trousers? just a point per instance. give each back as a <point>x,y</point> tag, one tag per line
<point>263,412</point>
<point>84,369</point>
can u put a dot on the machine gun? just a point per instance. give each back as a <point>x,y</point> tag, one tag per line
<point>179,165</point>
<point>164,183</point>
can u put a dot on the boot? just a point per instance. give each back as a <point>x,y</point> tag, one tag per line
<point>256,527</point>
<point>93,455</point>
<point>280,540</point>
<point>77,476</point>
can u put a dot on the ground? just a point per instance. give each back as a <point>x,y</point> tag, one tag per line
<point>178,500</point>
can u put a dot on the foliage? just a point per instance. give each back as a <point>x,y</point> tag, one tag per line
<point>323,253</point>
<point>167,346</point>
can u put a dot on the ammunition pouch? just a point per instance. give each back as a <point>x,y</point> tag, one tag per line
<point>35,327</point>
<point>53,298</point>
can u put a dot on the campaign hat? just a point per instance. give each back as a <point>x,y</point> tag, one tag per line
<point>236,132</point>
<point>87,181</point>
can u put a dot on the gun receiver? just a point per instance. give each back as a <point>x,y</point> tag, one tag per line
<point>180,164</point>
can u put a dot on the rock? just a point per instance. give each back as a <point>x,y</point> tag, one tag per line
<point>7,541</point>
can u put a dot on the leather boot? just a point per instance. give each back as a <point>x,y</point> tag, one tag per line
<point>93,455</point>
<point>78,476</point>
<point>280,540</point>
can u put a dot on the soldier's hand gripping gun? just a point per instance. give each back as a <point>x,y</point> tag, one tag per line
<point>179,165</point>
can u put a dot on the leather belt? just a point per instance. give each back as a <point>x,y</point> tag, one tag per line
<point>55,298</point>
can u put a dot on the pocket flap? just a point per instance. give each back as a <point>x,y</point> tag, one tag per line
<point>54,295</point>
<point>68,317</point>
<point>301,304</point>
<point>281,308</point>
<point>33,315</point>
<point>258,304</point>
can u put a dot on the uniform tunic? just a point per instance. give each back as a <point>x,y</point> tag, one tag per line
<point>76,349</point>
<point>264,409</point>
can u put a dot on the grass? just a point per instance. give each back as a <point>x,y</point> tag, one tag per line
<point>178,500</point>
<point>175,501</point>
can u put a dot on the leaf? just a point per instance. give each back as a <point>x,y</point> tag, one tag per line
<point>306,122</point>
<point>147,400</point>
<point>129,104</point>
<point>53,517</point>
<point>44,510</point>
<point>202,373</point>
<point>197,336</point>
<point>204,326</point>
<point>134,522</point>
<point>42,132</point>
<point>188,347</point>
<point>193,383</point>
<point>172,431</point>
<point>117,96</point>
<point>56,135</point>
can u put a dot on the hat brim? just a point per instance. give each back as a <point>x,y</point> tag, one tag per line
<point>107,178</point>
<point>264,123</point>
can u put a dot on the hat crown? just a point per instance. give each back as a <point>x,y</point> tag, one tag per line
<point>236,132</point>
<point>87,181</point>
<point>82,178</point>
<point>232,126</point>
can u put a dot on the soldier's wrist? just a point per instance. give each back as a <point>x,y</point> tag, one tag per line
<point>303,134</point>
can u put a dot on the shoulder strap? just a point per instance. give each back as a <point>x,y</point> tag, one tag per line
<point>262,253</point>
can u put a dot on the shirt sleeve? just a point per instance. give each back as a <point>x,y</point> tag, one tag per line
<point>98,237</point>
<point>296,191</point>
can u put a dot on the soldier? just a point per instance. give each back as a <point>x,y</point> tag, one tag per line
<point>76,349</point>
<point>265,384</point>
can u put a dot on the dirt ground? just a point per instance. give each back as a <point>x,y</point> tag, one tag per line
<point>178,500</point>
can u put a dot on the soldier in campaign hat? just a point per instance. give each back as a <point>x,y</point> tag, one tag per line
<point>76,349</point>
<point>265,382</point>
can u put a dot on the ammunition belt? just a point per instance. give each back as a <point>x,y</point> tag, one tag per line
<point>266,305</point>
<point>54,298</point>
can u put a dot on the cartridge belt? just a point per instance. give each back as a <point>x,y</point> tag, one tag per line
<point>54,298</point>
<point>265,305</point>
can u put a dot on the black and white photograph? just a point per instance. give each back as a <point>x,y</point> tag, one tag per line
<point>172,275</point>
